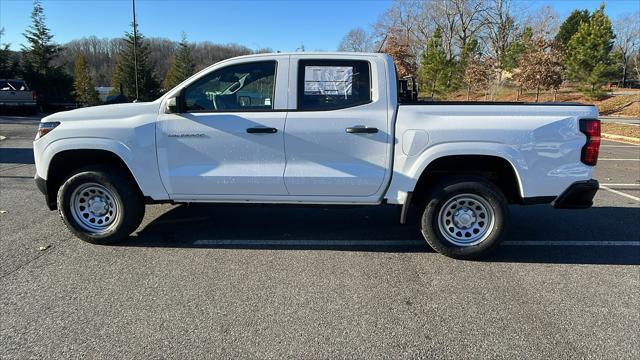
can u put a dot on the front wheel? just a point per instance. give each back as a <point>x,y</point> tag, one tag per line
<point>465,218</point>
<point>100,205</point>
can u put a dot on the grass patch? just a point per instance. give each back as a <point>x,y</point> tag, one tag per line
<point>621,129</point>
<point>617,103</point>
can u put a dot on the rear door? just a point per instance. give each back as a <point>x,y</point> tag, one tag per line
<point>337,138</point>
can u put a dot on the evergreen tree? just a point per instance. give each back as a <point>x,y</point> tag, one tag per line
<point>41,50</point>
<point>588,60</point>
<point>182,65</point>
<point>83,90</point>
<point>8,65</point>
<point>124,74</point>
<point>570,26</point>
<point>516,49</point>
<point>48,80</point>
<point>434,67</point>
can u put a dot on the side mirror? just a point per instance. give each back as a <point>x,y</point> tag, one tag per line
<point>172,106</point>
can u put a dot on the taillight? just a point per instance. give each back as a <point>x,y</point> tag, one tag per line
<point>45,127</point>
<point>34,95</point>
<point>590,150</point>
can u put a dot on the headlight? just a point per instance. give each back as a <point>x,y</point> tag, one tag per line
<point>45,127</point>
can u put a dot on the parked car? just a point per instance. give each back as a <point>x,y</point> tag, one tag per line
<point>321,128</point>
<point>15,94</point>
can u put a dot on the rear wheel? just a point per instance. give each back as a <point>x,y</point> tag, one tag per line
<point>100,205</point>
<point>464,218</point>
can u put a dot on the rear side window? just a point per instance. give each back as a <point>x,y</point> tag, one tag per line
<point>333,84</point>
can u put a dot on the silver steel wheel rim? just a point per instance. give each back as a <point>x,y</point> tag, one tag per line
<point>466,220</point>
<point>94,208</point>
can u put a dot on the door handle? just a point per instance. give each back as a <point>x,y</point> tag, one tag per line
<point>262,130</point>
<point>362,130</point>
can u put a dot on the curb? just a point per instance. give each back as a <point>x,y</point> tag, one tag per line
<point>628,139</point>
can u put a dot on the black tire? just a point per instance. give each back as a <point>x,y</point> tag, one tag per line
<point>445,193</point>
<point>125,194</point>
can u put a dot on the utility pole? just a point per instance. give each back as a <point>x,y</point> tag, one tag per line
<point>135,47</point>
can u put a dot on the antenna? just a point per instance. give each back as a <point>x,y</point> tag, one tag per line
<point>382,43</point>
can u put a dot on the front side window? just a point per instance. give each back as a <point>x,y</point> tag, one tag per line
<point>333,84</point>
<point>243,87</point>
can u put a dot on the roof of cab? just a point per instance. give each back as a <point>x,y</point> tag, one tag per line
<point>315,53</point>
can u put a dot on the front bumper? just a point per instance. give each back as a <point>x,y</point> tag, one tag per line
<point>577,196</point>
<point>44,189</point>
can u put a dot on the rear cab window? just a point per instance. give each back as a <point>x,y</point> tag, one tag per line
<point>333,84</point>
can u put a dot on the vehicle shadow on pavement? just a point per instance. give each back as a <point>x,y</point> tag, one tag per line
<point>377,228</point>
<point>373,228</point>
<point>16,156</point>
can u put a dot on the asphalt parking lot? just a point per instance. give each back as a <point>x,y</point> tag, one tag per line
<point>275,282</point>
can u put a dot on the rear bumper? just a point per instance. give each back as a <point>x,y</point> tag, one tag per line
<point>577,196</point>
<point>42,186</point>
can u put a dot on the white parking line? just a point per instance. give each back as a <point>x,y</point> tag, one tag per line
<point>390,243</point>
<point>629,145</point>
<point>621,146</point>
<point>619,184</point>
<point>619,159</point>
<point>572,243</point>
<point>312,242</point>
<point>620,193</point>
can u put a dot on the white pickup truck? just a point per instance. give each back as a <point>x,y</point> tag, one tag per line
<point>316,128</point>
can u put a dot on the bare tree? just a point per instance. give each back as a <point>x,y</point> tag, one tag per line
<point>356,40</point>
<point>407,20</point>
<point>403,59</point>
<point>445,17</point>
<point>543,22</point>
<point>500,31</point>
<point>627,41</point>
<point>636,64</point>
<point>478,74</point>
<point>470,19</point>
<point>414,22</point>
<point>540,66</point>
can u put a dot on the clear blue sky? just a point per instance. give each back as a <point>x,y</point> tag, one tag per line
<point>280,25</point>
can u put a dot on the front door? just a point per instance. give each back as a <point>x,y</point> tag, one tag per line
<point>227,138</point>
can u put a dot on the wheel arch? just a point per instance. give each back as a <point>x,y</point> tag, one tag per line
<point>65,162</point>
<point>497,169</point>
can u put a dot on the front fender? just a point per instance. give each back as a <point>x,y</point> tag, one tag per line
<point>142,164</point>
